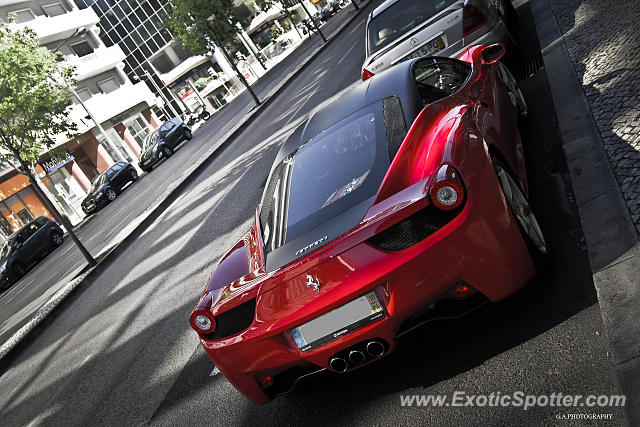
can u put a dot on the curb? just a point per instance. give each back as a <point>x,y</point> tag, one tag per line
<point>610,235</point>
<point>121,241</point>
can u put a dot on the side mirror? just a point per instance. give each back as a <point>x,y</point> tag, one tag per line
<point>493,53</point>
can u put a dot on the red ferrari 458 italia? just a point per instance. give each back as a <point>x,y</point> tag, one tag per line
<point>402,202</point>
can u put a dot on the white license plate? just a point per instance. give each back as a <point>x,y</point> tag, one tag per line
<point>429,48</point>
<point>337,322</point>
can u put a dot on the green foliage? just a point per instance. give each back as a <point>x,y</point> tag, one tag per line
<point>274,31</point>
<point>198,23</point>
<point>33,106</point>
<point>202,82</point>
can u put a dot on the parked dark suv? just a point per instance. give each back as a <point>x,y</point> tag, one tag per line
<point>161,142</point>
<point>26,247</point>
<point>106,186</point>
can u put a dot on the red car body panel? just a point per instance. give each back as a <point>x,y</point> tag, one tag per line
<point>481,245</point>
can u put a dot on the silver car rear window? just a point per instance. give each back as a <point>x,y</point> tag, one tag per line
<point>399,18</point>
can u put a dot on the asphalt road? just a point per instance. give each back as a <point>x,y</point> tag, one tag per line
<point>120,351</point>
<point>18,304</point>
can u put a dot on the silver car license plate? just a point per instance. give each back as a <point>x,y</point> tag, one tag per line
<point>429,48</point>
<point>337,322</point>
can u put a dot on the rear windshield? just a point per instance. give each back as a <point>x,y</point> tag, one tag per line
<point>333,171</point>
<point>98,181</point>
<point>6,248</point>
<point>399,18</point>
<point>150,139</point>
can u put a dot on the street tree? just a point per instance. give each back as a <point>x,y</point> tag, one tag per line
<point>199,24</point>
<point>35,90</point>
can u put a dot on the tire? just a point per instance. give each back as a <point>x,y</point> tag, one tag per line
<point>18,271</point>
<point>187,134</point>
<point>134,176</point>
<point>205,115</point>
<point>515,93</point>
<point>509,16</point>
<point>510,11</point>
<point>167,152</point>
<point>524,216</point>
<point>56,238</point>
<point>111,195</point>
<point>147,169</point>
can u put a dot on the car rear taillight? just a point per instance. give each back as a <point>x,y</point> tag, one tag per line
<point>366,74</point>
<point>202,321</point>
<point>447,191</point>
<point>265,380</point>
<point>472,19</point>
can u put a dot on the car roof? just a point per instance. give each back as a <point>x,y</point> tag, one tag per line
<point>395,81</point>
<point>15,233</point>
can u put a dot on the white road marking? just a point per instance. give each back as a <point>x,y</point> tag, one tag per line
<point>346,54</point>
<point>293,115</point>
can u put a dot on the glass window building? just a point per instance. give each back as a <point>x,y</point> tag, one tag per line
<point>137,27</point>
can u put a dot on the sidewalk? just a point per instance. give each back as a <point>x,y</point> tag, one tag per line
<point>590,55</point>
<point>268,87</point>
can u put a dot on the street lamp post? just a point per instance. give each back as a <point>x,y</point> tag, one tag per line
<point>288,13</point>
<point>40,191</point>
<point>248,45</point>
<point>175,97</point>
<point>99,127</point>
<point>230,60</point>
<point>315,24</point>
<point>159,91</point>
<point>81,32</point>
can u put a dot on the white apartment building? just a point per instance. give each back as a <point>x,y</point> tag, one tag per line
<point>121,107</point>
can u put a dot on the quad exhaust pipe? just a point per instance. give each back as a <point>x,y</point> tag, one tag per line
<point>375,348</point>
<point>357,355</point>
<point>338,364</point>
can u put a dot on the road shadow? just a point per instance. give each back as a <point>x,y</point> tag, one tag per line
<point>79,310</point>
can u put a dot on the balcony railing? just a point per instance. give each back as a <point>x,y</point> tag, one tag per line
<point>59,27</point>
<point>101,60</point>
<point>105,106</point>
<point>110,106</point>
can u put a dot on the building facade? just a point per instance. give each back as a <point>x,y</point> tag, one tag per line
<point>153,56</point>
<point>113,114</point>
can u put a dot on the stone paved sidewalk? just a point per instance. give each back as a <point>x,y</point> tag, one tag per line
<point>603,40</point>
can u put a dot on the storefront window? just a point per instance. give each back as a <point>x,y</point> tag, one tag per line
<point>25,216</point>
<point>66,191</point>
<point>5,227</point>
<point>117,142</point>
<point>138,129</point>
<point>15,211</point>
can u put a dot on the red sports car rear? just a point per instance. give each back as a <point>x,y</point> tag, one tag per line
<point>402,202</point>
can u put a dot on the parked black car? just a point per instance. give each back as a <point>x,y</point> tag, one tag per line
<point>26,247</point>
<point>106,186</point>
<point>161,142</point>
<point>325,13</point>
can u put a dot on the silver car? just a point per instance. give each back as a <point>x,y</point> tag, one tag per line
<point>403,29</point>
